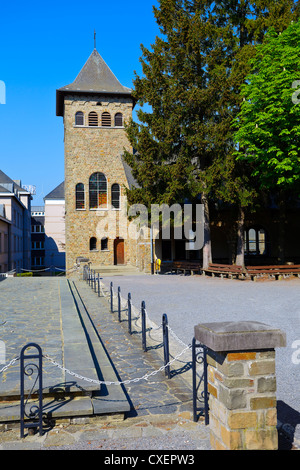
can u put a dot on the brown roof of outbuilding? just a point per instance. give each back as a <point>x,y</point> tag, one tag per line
<point>94,77</point>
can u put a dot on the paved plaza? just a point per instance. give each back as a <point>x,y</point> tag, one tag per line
<point>32,311</point>
<point>151,406</point>
<point>190,300</point>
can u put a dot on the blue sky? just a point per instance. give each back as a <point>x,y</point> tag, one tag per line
<point>43,46</point>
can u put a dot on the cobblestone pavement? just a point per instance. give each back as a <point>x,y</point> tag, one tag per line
<point>189,300</point>
<point>161,408</point>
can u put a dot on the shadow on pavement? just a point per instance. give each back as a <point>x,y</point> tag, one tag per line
<point>288,420</point>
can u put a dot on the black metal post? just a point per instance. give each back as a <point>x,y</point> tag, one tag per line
<point>195,388</point>
<point>95,282</point>
<point>206,407</point>
<point>194,380</point>
<point>166,344</point>
<point>29,370</point>
<point>143,312</point>
<point>98,285</point>
<point>129,313</point>
<point>111,298</point>
<point>119,303</point>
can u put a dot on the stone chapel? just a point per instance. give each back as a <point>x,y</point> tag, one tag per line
<point>94,109</point>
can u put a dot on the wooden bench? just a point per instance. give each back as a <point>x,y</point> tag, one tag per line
<point>228,270</point>
<point>186,266</point>
<point>276,271</point>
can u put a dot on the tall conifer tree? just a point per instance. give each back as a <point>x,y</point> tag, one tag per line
<point>191,81</point>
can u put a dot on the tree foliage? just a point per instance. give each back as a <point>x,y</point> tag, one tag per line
<point>187,127</point>
<point>268,126</point>
<point>191,81</point>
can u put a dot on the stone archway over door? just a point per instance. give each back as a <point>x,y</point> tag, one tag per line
<point>119,251</point>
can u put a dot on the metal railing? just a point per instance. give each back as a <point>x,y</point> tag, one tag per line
<point>35,414</point>
<point>200,399</point>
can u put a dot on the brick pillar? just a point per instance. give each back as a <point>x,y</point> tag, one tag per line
<point>242,384</point>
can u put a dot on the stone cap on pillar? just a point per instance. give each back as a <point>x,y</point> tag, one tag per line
<point>239,336</point>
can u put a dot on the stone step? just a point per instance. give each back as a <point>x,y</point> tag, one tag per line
<point>118,270</point>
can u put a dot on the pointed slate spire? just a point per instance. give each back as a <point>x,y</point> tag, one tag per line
<point>94,77</point>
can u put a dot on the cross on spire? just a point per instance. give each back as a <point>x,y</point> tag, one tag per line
<point>94,39</point>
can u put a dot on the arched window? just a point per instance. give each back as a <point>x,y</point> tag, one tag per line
<point>79,118</point>
<point>255,241</point>
<point>98,191</point>
<point>93,119</point>
<point>93,244</point>
<point>79,194</point>
<point>115,196</point>
<point>104,244</point>
<point>118,120</point>
<point>106,120</point>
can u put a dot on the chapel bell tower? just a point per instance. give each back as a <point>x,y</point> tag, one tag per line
<point>94,109</point>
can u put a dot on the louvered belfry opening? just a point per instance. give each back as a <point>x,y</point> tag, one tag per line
<point>105,119</point>
<point>93,119</point>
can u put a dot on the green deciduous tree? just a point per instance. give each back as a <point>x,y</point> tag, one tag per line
<point>268,125</point>
<point>247,21</point>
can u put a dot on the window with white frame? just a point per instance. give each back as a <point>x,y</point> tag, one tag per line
<point>255,241</point>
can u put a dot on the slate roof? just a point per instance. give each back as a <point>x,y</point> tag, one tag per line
<point>94,77</point>
<point>4,190</point>
<point>128,173</point>
<point>6,180</point>
<point>57,193</point>
<point>10,186</point>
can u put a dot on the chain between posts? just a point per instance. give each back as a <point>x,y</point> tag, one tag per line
<point>102,382</point>
<point>166,328</point>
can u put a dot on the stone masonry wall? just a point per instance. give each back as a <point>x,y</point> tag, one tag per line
<point>242,400</point>
<point>89,150</point>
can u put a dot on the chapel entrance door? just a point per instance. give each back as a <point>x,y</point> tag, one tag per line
<point>119,251</point>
